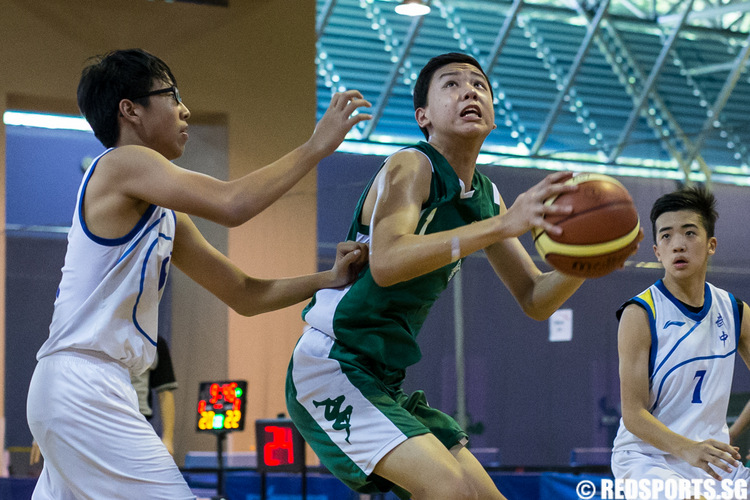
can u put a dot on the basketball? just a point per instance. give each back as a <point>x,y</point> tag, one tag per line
<point>599,234</point>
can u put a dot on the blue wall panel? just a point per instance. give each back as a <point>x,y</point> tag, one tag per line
<point>43,173</point>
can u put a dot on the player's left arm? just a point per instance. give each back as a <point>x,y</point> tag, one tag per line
<point>36,454</point>
<point>539,294</point>
<point>743,347</point>
<point>247,295</point>
<point>167,413</point>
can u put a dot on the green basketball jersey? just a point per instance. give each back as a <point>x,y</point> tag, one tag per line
<point>383,322</point>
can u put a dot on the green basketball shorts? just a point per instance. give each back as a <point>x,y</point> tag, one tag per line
<point>353,412</point>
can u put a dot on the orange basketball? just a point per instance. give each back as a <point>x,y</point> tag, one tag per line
<point>600,233</point>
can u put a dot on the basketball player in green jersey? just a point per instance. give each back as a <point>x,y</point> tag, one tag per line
<point>425,210</point>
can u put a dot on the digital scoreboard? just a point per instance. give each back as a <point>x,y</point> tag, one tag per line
<point>221,406</point>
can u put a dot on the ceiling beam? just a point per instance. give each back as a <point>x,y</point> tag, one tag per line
<point>502,36</point>
<point>721,101</point>
<point>714,68</point>
<point>710,13</point>
<point>583,49</point>
<point>385,94</point>
<point>634,9</point>
<point>648,86</point>
<point>323,17</point>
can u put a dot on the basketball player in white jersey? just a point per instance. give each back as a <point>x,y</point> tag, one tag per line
<point>677,345</point>
<point>130,224</point>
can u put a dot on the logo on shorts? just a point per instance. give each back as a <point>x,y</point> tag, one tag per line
<point>335,414</point>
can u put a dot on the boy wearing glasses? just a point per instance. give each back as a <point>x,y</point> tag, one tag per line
<point>129,226</point>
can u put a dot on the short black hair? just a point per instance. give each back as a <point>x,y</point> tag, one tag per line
<point>111,77</point>
<point>694,198</point>
<point>422,86</point>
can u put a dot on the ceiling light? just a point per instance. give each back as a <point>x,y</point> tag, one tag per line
<point>40,120</point>
<point>412,8</point>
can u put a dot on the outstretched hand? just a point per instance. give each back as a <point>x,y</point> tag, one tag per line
<point>529,209</point>
<point>351,258</point>
<point>338,120</point>
<point>720,455</point>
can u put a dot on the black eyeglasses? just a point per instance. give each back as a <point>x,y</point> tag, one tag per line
<point>169,90</point>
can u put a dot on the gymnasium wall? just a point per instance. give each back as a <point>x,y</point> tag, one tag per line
<point>532,399</point>
<point>248,69</point>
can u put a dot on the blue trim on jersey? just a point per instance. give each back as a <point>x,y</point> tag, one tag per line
<point>697,317</point>
<point>140,291</point>
<point>658,394</point>
<point>700,315</point>
<point>652,328</point>
<point>110,242</point>
<point>737,322</point>
<point>145,233</point>
<point>676,344</point>
<point>164,271</point>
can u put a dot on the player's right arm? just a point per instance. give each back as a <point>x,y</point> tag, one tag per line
<point>131,177</point>
<point>634,346</point>
<point>248,295</point>
<point>739,425</point>
<point>743,348</point>
<point>167,412</point>
<point>36,454</point>
<point>395,202</point>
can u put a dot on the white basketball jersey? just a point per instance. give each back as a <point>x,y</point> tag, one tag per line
<point>691,365</point>
<point>108,297</point>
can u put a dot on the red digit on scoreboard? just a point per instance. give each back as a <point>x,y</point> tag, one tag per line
<point>229,392</point>
<point>279,449</point>
<point>215,393</point>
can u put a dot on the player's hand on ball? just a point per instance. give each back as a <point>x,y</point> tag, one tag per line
<point>351,258</point>
<point>338,120</point>
<point>529,208</point>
